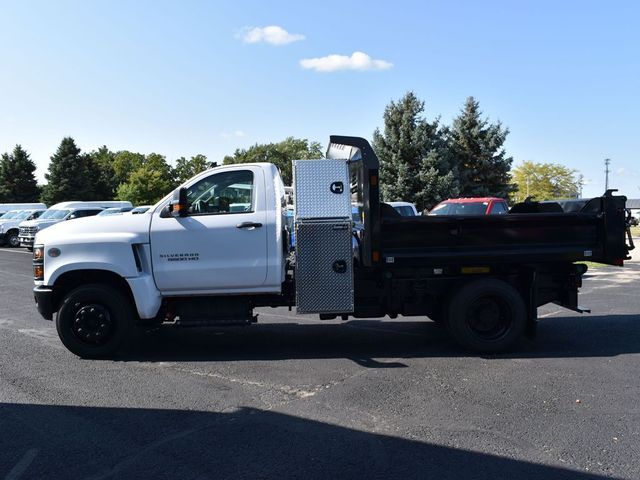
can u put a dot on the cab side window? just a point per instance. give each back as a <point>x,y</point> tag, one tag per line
<point>222,193</point>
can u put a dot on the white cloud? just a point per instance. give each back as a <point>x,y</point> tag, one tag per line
<point>333,63</point>
<point>272,34</point>
<point>234,134</point>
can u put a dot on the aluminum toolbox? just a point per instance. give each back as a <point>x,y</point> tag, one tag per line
<point>324,267</point>
<point>321,189</point>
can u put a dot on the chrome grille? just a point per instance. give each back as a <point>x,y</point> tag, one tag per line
<point>28,231</point>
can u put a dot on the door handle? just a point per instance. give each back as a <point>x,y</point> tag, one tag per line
<point>249,225</point>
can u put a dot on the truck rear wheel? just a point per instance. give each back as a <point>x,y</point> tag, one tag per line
<point>487,316</point>
<point>94,320</point>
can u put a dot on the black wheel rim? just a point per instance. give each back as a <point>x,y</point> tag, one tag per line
<point>92,324</point>
<point>489,318</point>
<point>14,241</point>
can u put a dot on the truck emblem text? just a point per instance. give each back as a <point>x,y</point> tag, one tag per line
<point>180,257</point>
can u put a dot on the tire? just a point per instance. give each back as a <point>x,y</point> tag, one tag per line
<point>487,316</point>
<point>12,240</point>
<point>94,321</point>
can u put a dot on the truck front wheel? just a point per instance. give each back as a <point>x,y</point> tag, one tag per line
<point>487,316</point>
<point>12,239</point>
<point>94,320</point>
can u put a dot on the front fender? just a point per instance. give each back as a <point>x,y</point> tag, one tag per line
<point>114,257</point>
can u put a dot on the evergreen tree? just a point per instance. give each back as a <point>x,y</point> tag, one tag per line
<point>280,154</point>
<point>477,148</point>
<point>185,169</point>
<point>17,180</point>
<point>68,176</point>
<point>414,159</point>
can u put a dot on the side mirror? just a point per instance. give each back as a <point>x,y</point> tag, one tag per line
<point>178,204</point>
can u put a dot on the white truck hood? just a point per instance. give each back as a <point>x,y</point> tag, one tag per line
<point>106,229</point>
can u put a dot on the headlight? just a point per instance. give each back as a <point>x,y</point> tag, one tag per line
<point>38,262</point>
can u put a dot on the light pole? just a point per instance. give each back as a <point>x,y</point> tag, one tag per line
<point>606,173</point>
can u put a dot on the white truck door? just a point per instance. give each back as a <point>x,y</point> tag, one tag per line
<point>221,246</point>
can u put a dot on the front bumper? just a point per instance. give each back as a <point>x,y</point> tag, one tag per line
<point>26,241</point>
<point>44,301</point>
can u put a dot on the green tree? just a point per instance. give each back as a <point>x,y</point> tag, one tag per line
<point>17,180</point>
<point>124,164</point>
<point>185,169</point>
<point>148,183</point>
<point>545,181</point>
<point>280,154</point>
<point>414,160</point>
<point>67,178</point>
<point>100,164</point>
<point>477,148</point>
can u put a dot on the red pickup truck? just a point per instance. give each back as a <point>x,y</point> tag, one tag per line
<point>471,206</point>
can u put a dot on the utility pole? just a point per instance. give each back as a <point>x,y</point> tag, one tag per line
<point>606,174</point>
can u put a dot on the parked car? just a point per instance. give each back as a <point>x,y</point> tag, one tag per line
<point>471,206</point>
<point>9,225</point>
<point>140,209</point>
<point>114,211</point>
<point>405,209</point>
<point>61,212</point>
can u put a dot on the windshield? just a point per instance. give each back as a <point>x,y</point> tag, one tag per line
<point>470,208</point>
<point>11,214</point>
<point>110,211</point>
<point>23,215</point>
<point>54,214</point>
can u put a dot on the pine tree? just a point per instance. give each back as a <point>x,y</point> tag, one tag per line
<point>414,161</point>
<point>17,180</point>
<point>477,148</point>
<point>68,177</point>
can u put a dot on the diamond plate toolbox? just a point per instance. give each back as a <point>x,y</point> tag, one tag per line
<point>321,189</point>
<point>324,267</point>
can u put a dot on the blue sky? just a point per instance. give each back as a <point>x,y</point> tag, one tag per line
<point>180,78</point>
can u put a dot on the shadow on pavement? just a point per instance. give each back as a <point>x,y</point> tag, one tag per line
<point>44,441</point>
<point>366,340</point>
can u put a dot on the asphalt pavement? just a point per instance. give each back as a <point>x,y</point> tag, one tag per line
<point>295,397</point>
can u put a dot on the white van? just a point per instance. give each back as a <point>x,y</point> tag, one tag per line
<point>6,207</point>
<point>61,212</point>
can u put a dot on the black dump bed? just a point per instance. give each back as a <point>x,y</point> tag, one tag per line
<point>595,233</point>
<point>525,237</point>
